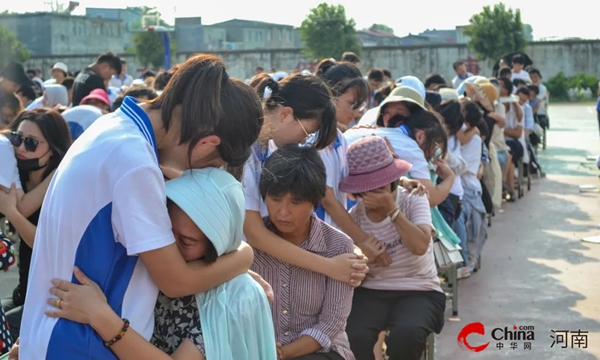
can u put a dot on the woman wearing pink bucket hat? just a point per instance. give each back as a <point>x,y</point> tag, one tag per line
<point>409,288</point>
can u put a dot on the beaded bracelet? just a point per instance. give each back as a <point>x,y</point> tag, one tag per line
<point>120,336</point>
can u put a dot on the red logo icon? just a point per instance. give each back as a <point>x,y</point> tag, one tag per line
<point>473,328</point>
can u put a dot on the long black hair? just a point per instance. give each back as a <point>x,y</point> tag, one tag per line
<point>308,96</point>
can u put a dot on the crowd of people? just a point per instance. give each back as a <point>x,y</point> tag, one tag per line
<point>191,215</point>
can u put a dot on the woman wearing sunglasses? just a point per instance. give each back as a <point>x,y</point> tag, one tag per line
<point>40,139</point>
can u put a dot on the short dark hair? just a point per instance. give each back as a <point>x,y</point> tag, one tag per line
<point>505,73</point>
<point>162,78</point>
<point>68,82</point>
<point>350,57</point>
<point>308,96</point>
<point>375,74</point>
<point>382,93</point>
<point>110,58</point>
<point>523,90</point>
<point>535,71</point>
<point>473,114</point>
<point>260,68</point>
<point>457,64</point>
<point>518,59</point>
<point>147,74</point>
<point>342,76</point>
<point>28,92</point>
<point>387,73</point>
<point>434,79</point>
<point>123,62</point>
<point>295,170</point>
<point>212,103</point>
<point>534,89</point>
<point>505,83</point>
<point>519,81</point>
<point>452,113</point>
<point>136,91</point>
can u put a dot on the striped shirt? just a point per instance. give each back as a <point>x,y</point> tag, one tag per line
<point>306,302</point>
<point>408,271</point>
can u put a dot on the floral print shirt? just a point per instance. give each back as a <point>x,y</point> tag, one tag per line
<point>176,320</point>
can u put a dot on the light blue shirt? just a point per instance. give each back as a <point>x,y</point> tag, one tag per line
<point>529,122</point>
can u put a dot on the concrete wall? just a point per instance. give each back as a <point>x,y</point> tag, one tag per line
<point>46,34</point>
<point>572,57</point>
<point>34,32</point>
<point>189,34</point>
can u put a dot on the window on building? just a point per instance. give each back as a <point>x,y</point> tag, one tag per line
<point>260,35</point>
<point>280,35</point>
<point>269,34</point>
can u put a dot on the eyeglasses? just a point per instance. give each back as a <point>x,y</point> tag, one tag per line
<point>303,128</point>
<point>359,106</point>
<point>17,139</point>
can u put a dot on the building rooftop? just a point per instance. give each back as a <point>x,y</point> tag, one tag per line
<point>41,14</point>
<point>248,23</point>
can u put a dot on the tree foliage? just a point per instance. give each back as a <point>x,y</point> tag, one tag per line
<point>382,27</point>
<point>149,49</point>
<point>495,32</point>
<point>11,49</point>
<point>326,32</point>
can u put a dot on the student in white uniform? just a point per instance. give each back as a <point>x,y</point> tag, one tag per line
<point>370,117</point>
<point>350,93</point>
<point>295,108</point>
<point>413,133</point>
<point>105,211</point>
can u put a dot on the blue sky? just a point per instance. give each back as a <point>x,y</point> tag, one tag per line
<point>403,17</point>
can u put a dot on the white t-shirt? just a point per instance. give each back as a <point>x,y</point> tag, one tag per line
<point>105,205</point>
<point>454,149</point>
<point>511,123</point>
<point>404,146</point>
<point>9,173</point>
<point>498,134</point>
<point>543,98</point>
<point>520,75</point>
<point>408,272</point>
<point>80,118</point>
<point>36,104</point>
<point>458,80</point>
<point>471,153</point>
<point>336,165</point>
<point>251,177</point>
<point>370,117</point>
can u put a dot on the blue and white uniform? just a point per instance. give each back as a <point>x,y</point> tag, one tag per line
<point>336,166</point>
<point>105,205</point>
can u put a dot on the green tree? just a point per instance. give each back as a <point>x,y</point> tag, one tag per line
<point>382,27</point>
<point>11,48</point>
<point>326,32</point>
<point>495,32</point>
<point>149,48</point>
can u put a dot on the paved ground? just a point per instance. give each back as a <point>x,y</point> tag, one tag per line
<point>536,271</point>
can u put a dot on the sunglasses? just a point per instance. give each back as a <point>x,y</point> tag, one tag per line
<point>17,139</point>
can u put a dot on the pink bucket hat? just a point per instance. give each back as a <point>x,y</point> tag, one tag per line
<point>97,94</point>
<point>371,166</point>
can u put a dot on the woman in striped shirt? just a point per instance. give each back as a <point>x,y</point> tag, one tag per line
<point>404,298</point>
<point>310,309</point>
